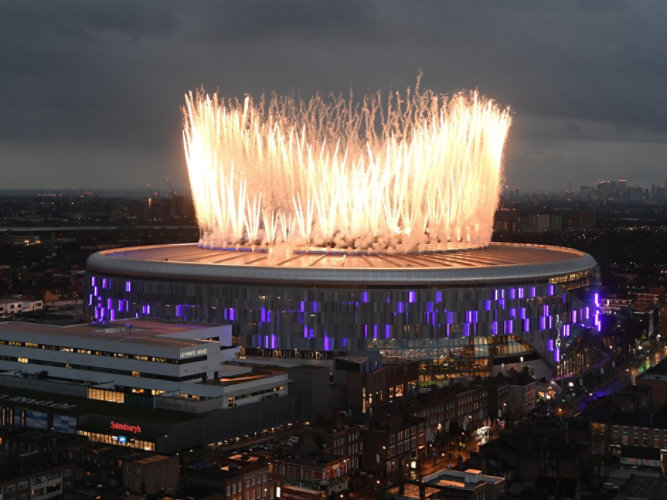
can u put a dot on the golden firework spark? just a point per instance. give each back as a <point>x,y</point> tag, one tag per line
<point>406,171</point>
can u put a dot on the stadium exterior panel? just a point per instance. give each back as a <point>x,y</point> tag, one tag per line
<point>458,312</point>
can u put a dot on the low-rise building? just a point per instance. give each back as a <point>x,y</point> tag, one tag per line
<point>371,380</point>
<point>469,484</point>
<point>151,474</point>
<point>393,440</point>
<point>11,307</point>
<point>318,472</point>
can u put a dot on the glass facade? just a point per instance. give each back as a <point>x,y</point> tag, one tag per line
<point>477,323</point>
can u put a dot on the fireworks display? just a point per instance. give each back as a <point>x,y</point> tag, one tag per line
<point>402,172</point>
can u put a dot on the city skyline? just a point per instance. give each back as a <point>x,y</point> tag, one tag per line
<point>93,93</point>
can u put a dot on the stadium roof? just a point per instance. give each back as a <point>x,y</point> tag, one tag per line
<point>498,262</point>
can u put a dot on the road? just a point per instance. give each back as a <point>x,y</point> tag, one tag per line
<point>626,376</point>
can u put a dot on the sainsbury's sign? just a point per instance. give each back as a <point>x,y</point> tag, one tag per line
<point>119,426</point>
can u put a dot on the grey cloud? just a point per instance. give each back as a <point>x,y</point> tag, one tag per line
<point>110,76</point>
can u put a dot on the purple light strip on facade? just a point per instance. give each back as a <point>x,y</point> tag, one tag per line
<point>364,297</point>
<point>387,331</point>
<point>551,344</point>
<point>557,355</point>
<point>412,296</point>
<point>494,327</point>
<point>550,290</point>
<point>574,315</point>
<point>375,331</point>
<point>532,292</point>
<point>487,305</point>
<point>521,293</point>
<point>128,286</point>
<point>438,296</point>
<point>526,325</point>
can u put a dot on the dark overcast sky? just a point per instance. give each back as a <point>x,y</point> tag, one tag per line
<point>90,91</point>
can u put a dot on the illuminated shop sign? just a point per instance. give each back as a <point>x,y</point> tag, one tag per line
<point>119,426</point>
<point>291,353</point>
<point>193,352</point>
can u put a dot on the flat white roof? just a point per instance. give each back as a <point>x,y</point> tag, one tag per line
<point>132,331</point>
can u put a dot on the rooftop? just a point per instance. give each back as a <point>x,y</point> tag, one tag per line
<point>498,261</point>
<point>136,331</point>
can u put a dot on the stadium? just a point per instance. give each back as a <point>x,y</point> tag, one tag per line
<point>333,225</point>
<point>463,312</point>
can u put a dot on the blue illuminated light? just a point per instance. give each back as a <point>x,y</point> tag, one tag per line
<point>364,297</point>
<point>411,297</point>
<point>438,296</point>
<point>128,286</point>
<point>550,290</point>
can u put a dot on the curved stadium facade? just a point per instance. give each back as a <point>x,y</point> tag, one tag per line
<point>458,312</point>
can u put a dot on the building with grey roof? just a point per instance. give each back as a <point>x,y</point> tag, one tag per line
<point>476,311</point>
